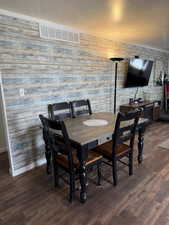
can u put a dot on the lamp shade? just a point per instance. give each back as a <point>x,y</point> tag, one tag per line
<point>116,59</point>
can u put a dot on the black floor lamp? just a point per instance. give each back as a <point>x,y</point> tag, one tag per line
<point>116,60</point>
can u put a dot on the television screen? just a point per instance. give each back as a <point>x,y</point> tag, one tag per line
<point>139,71</point>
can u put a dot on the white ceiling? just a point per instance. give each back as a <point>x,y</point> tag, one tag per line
<point>144,22</point>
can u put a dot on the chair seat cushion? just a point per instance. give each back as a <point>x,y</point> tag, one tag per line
<point>106,149</point>
<point>92,157</point>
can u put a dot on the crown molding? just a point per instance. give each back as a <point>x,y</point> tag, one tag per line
<point>145,46</point>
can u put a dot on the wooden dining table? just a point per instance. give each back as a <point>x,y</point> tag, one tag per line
<point>84,138</point>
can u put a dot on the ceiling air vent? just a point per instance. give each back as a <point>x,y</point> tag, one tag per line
<point>58,33</point>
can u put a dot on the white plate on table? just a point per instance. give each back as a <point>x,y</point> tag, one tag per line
<point>95,122</point>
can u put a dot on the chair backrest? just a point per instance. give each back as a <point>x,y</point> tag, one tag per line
<point>125,129</point>
<point>59,111</point>
<point>57,137</point>
<point>81,107</point>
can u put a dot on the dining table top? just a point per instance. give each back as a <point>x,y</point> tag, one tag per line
<point>84,134</point>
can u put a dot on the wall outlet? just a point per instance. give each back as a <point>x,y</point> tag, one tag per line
<point>21,92</point>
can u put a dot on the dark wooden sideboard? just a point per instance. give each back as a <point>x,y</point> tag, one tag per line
<point>153,106</point>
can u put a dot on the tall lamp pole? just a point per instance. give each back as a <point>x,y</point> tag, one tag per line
<point>116,60</point>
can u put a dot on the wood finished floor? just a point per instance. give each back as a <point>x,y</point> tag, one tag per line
<point>142,199</point>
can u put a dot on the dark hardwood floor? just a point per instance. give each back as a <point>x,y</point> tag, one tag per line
<point>142,199</point>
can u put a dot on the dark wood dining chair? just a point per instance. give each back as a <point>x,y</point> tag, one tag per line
<point>121,144</point>
<point>59,111</point>
<point>64,156</point>
<point>81,107</point>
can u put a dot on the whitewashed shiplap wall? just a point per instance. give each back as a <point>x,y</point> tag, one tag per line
<point>53,71</point>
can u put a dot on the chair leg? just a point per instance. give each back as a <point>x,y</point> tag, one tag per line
<point>55,169</point>
<point>114,168</point>
<point>99,173</point>
<point>72,187</point>
<point>48,160</point>
<point>130,163</point>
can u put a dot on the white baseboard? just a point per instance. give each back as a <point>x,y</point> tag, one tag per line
<point>3,149</point>
<point>28,167</point>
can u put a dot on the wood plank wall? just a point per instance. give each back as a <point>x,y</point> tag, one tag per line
<point>55,71</point>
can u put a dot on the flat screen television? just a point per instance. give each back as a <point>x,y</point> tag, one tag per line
<point>139,71</point>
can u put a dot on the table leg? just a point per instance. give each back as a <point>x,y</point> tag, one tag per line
<point>82,175</point>
<point>83,193</point>
<point>140,144</point>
